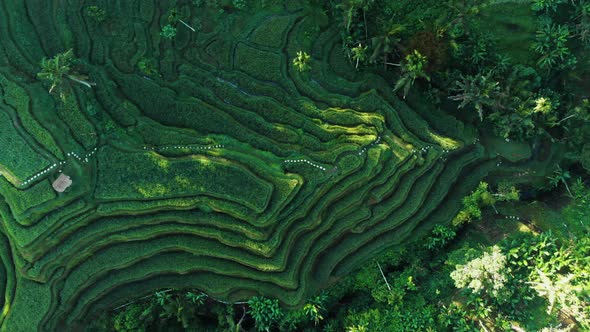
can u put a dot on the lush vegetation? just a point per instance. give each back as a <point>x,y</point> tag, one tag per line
<point>265,165</point>
<point>459,278</point>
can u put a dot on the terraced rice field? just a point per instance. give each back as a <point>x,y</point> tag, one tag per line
<point>228,171</point>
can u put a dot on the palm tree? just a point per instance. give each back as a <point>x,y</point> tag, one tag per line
<point>301,62</point>
<point>197,299</point>
<point>163,297</point>
<point>58,68</point>
<point>414,67</point>
<point>233,326</point>
<point>478,91</point>
<point>168,31</point>
<point>359,54</point>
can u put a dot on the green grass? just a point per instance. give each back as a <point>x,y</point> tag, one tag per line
<point>22,200</point>
<point>22,316</point>
<point>18,98</point>
<point>19,160</point>
<point>7,278</point>
<point>569,222</point>
<point>512,151</point>
<point>271,33</point>
<point>260,64</point>
<point>159,177</point>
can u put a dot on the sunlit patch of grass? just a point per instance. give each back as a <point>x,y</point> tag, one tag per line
<point>153,190</point>
<point>183,181</point>
<point>445,142</point>
<point>258,247</point>
<point>524,228</point>
<point>512,151</point>
<point>162,163</point>
<point>493,229</point>
<point>568,222</point>
<point>6,309</point>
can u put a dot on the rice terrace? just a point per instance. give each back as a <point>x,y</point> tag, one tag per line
<point>294,165</point>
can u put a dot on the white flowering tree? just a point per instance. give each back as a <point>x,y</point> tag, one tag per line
<point>483,275</point>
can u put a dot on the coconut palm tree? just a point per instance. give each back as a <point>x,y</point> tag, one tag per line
<point>414,67</point>
<point>359,54</point>
<point>479,91</point>
<point>301,62</point>
<point>59,68</point>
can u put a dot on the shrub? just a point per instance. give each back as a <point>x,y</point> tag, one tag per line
<point>546,5</point>
<point>441,235</point>
<point>556,271</point>
<point>147,66</point>
<point>168,31</point>
<point>96,12</point>
<point>551,45</point>
<point>473,203</point>
<point>265,312</point>
<point>585,158</point>
<point>130,319</point>
<point>484,275</point>
<point>239,4</point>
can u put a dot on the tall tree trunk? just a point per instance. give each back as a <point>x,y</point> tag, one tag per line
<point>383,275</point>
<point>568,188</point>
<point>567,117</point>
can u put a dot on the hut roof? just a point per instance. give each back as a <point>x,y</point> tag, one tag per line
<point>62,183</point>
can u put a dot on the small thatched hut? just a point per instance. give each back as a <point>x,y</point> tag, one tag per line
<point>62,183</point>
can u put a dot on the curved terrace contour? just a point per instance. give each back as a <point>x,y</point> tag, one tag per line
<point>226,170</point>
